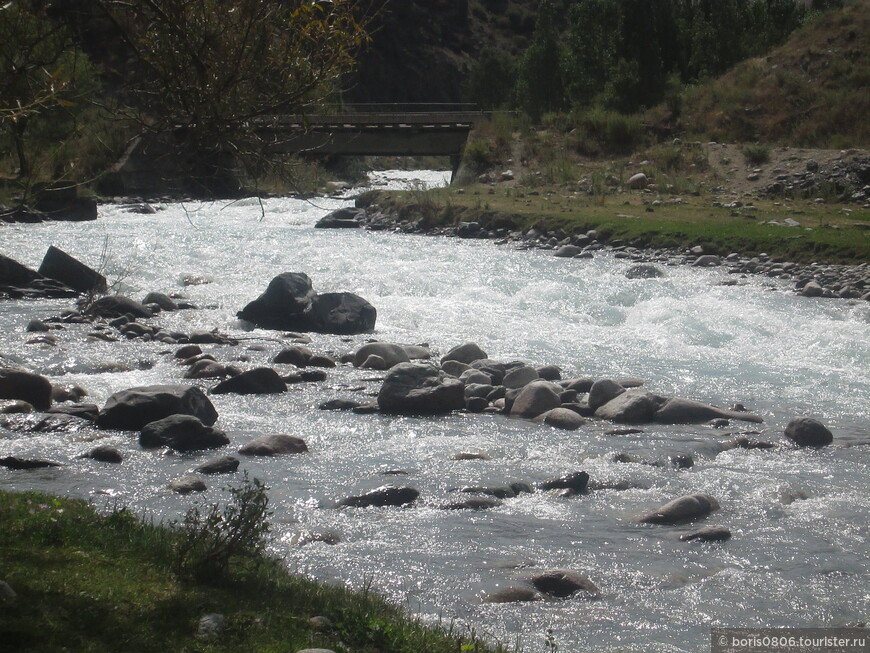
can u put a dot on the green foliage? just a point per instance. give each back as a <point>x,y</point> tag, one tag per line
<point>490,82</point>
<point>215,535</point>
<point>756,154</point>
<point>540,83</point>
<point>599,129</point>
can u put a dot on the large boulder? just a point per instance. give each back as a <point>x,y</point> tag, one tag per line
<point>32,388</point>
<point>391,354</point>
<point>420,389</point>
<point>132,409</point>
<point>602,391</point>
<point>59,265</point>
<point>288,296</point>
<point>17,280</point>
<point>344,218</point>
<point>466,353</point>
<point>341,313</point>
<point>116,306</point>
<point>563,582</point>
<point>520,377</point>
<point>387,495</point>
<point>274,444</point>
<point>258,381</point>
<point>535,399</point>
<point>686,508</point>
<point>686,411</point>
<point>182,433</point>
<point>807,432</point>
<point>290,303</point>
<point>562,418</point>
<point>632,407</point>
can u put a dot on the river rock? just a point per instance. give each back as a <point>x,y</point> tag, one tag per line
<point>374,362</point>
<point>455,368</point>
<point>339,404</point>
<point>283,305</point>
<point>26,386</point>
<point>105,454</point>
<point>535,399</point>
<point>575,481</point>
<point>16,407</point>
<point>708,534</point>
<point>567,251</point>
<point>164,301</point>
<point>206,369</point>
<point>275,444</point>
<point>187,351</point>
<point>644,271</point>
<point>387,495</point>
<point>116,306</point>
<point>466,353</point>
<point>631,407</point>
<point>562,418</point>
<point>71,392</point>
<point>17,280</point>
<point>341,313</point>
<point>295,355</point>
<point>258,381</point>
<point>686,411</point>
<point>187,484</point>
<point>707,261</point>
<point>512,594</point>
<point>390,353</point>
<point>59,265</point>
<point>686,508</point>
<point>638,181</point>
<point>476,503</point>
<point>221,465</point>
<point>344,218</point>
<point>82,411</point>
<point>420,389</point>
<point>13,462</point>
<point>562,583</point>
<point>603,391</point>
<point>182,433</point>
<point>132,409</point>
<point>807,432</point>
<point>520,377</point>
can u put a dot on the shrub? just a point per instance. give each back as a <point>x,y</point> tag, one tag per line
<point>214,536</point>
<point>756,154</point>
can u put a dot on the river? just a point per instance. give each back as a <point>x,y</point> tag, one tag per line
<point>799,517</point>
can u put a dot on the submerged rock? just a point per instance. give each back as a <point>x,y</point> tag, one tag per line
<point>708,534</point>
<point>686,411</point>
<point>513,594</point>
<point>807,432</point>
<point>260,380</point>
<point>275,444</point>
<point>686,508</point>
<point>222,465</point>
<point>562,583</point>
<point>387,495</point>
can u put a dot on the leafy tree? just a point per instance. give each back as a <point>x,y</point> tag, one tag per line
<point>490,82</point>
<point>540,85</point>
<point>215,72</point>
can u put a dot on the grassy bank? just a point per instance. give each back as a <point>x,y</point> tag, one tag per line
<point>826,233</point>
<point>91,582</point>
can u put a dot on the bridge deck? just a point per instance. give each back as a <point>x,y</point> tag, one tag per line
<point>435,119</point>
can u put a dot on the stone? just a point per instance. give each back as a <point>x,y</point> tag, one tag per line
<point>116,306</point>
<point>275,444</point>
<point>549,372</point>
<point>132,409</point>
<point>322,360</point>
<point>295,355</point>
<point>260,380</point>
<point>16,407</point>
<point>210,626</point>
<point>164,301</point>
<point>708,534</point>
<point>638,181</point>
<point>57,264</point>
<point>644,271</point>
<point>477,503</point>
<point>187,484</point>
<point>17,281</point>
<point>222,465</point>
<point>685,508</point>
<point>519,377</point>
<point>535,399</point>
<point>567,251</point>
<point>631,407</point>
<point>562,583</point>
<point>70,392</point>
<point>707,260</point>
<point>26,386</point>
<point>465,353</point>
<point>187,351</point>
<point>375,362</point>
<point>807,432</point>
<point>283,304</point>
<point>687,411</point>
<point>13,462</point>
<point>420,389</point>
<point>391,354</point>
<point>387,495</point>
<point>206,369</point>
<point>339,404</point>
<point>344,218</point>
<point>455,368</point>
<point>576,482</point>
<point>513,594</point>
<point>812,289</point>
<point>562,418</point>
<point>341,313</point>
<point>603,391</point>
<point>37,326</point>
<point>182,433</point>
<point>83,411</point>
<point>105,454</point>
<point>470,455</point>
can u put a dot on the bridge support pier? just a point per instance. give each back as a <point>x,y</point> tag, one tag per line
<point>455,161</point>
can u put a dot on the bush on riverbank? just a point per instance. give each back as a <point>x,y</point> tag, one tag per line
<point>91,582</point>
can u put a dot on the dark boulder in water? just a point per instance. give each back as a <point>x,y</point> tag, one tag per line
<point>132,409</point>
<point>274,444</point>
<point>182,433</point>
<point>57,264</point>
<point>260,380</point>
<point>116,306</point>
<point>807,432</point>
<point>562,583</point>
<point>420,389</point>
<point>686,508</point>
<point>32,388</point>
<point>387,495</point>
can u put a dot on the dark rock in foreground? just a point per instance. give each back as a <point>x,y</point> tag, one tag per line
<point>182,433</point>
<point>807,432</point>
<point>562,583</point>
<point>32,388</point>
<point>132,409</point>
<point>59,265</point>
<point>387,495</point>
<point>18,281</point>
<point>13,462</point>
<point>260,380</point>
<point>420,389</point>
<point>116,306</point>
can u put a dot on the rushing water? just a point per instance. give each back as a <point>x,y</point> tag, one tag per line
<point>799,555</point>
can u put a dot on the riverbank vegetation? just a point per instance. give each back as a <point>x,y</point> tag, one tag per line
<point>108,581</point>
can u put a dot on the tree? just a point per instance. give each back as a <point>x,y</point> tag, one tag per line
<point>540,85</point>
<point>215,72</point>
<point>491,80</point>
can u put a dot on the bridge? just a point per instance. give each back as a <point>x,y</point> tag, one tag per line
<point>377,130</point>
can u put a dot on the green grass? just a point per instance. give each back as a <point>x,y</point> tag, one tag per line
<point>93,583</point>
<point>827,233</point>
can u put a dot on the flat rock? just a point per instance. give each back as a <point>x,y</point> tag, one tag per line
<point>387,495</point>
<point>187,484</point>
<point>222,465</point>
<point>420,389</point>
<point>274,444</point>
<point>685,508</point>
<point>562,583</point>
<point>708,534</point>
<point>687,411</point>
<point>260,380</point>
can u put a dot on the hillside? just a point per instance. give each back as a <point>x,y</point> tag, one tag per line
<point>810,92</point>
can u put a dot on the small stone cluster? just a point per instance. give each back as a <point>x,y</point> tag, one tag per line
<point>848,179</point>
